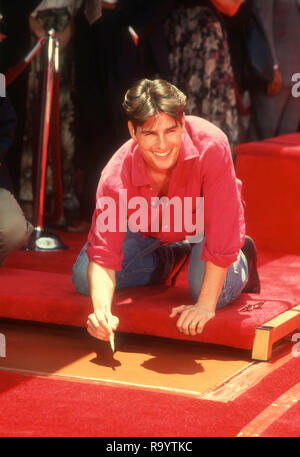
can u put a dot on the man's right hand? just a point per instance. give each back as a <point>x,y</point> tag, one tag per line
<point>101,323</point>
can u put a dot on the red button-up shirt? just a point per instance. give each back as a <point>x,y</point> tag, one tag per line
<point>204,169</point>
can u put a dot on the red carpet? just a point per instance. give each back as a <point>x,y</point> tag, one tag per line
<point>50,298</point>
<point>287,425</point>
<point>35,406</point>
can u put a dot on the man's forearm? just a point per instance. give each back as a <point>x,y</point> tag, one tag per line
<point>193,318</point>
<point>102,285</point>
<point>213,281</point>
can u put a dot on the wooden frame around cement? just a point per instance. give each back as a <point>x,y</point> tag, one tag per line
<point>272,331</point>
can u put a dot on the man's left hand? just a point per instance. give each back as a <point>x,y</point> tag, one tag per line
<point>192,318</point>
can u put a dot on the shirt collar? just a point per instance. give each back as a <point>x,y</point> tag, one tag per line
<point>138,171</point>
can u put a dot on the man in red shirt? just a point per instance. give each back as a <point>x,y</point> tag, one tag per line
<point>177,162</point>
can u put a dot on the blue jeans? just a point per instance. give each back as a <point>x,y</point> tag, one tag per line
<point>139,262</point>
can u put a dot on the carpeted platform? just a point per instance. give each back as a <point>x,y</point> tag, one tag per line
<point>36,286</point>
<point>270,172</point>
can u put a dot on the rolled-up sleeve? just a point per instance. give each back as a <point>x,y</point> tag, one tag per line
<point>105,238</point>
<point>224,224</point>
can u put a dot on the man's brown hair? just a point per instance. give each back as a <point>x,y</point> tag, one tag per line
<point>147,98</point>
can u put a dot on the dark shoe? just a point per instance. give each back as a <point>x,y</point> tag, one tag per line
<point>176,253</point>
<point>249,250</point>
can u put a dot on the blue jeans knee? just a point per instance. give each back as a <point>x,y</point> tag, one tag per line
<point>234,283</point>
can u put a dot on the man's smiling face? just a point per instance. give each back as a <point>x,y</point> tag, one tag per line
<point>159,139</point>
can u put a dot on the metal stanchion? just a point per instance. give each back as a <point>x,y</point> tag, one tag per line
<point>41,239</point>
